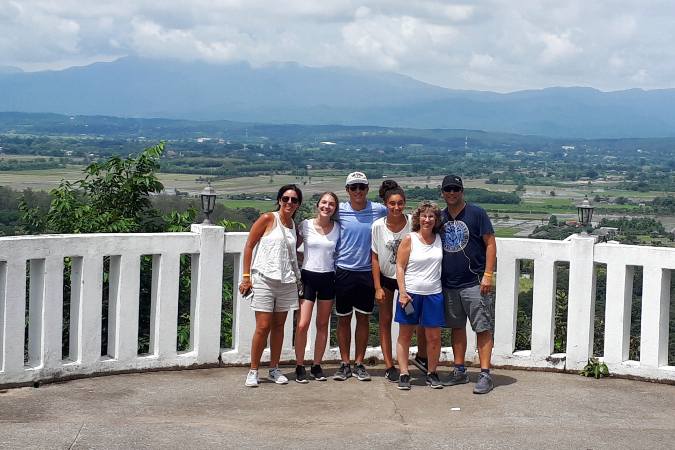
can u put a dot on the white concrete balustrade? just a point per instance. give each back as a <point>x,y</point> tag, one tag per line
<point>44,256</point>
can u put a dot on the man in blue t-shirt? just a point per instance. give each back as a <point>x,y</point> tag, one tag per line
<point>354,289</point>
<point>469,259</point>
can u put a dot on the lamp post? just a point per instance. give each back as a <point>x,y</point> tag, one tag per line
<point>208,200</point>
<point>585,211</point>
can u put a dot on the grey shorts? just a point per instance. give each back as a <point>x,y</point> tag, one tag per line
<point>468,302</point>
<point>272,295</point>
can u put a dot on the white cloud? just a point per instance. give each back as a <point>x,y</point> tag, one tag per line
<point>481,44</point>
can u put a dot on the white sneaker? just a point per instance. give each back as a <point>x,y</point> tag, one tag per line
<point>276,376</point>
<point>252,378</point>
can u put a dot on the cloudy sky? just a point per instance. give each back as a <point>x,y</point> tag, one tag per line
<point>484,44</point>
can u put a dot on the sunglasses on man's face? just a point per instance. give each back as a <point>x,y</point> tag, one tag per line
<point>452,189</point>
<point>358,186</point>
<point>286,199</point>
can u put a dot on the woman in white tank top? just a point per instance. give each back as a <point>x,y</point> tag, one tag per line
<point>418,274</point>
<point>387,234</point>
<point>319,236</point>
<point>269,257</point>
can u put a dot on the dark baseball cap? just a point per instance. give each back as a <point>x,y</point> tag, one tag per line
<point>452,180</point>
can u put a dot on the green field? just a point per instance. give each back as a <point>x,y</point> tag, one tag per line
<point>260,205</point>
<point>507,232</point>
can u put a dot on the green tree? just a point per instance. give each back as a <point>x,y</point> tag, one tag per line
<point>113,197</point>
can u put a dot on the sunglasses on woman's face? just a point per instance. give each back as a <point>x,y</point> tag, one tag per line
<point>286,199</point>
<point>452,189</point>
<point>358,186</point>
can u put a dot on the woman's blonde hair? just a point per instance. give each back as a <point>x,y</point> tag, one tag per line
<point>424,207</point>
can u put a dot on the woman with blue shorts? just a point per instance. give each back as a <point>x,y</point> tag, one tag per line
<point>418,274</point>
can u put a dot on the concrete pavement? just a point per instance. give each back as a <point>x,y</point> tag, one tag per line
<point>210,408</point>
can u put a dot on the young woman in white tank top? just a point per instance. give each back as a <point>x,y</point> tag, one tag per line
<point>418,273</point>
<point>387,234</point>
<point>269,256</point>
<point>319,236</point>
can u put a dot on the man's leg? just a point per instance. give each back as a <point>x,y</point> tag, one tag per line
<point>344,335</point>
<point>361,336</point>
<point>459,345</point>
<point>485,343</point>
<point>481,315</point>
<point>455,318</point>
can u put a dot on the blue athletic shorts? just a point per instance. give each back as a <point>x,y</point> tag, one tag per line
<point>429,311</point>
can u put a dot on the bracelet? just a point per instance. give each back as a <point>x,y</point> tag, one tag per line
<point>487,274</point>
<point>246,275</point>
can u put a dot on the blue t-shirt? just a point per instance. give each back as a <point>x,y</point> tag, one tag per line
<point>463,246</point>
<point>353,248</point>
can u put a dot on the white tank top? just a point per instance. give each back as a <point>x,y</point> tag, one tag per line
<point>423,273</point>
<point>272,257</point>
<point>319,248</point>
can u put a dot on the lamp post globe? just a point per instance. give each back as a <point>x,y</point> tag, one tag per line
<point>585,211</point>
<point>208,202</point>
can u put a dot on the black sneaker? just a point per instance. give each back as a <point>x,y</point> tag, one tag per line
<point>484,384</point>
<point>361,372</point>
<point>391,374</point>
<point>404,382</point>
<point>420,363</point>
<point>317,373</point>
<point>301,375</point>
<point>434,381</point>
<point>457,377</point>
<point>343,372</point>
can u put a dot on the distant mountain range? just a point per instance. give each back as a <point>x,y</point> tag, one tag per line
<point>290,93</point>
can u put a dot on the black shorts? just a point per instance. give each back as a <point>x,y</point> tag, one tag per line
<point>388,283</point>
<point>354,291</point>
<point>318,285</point>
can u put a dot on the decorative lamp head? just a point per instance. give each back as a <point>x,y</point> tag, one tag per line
<point>208,200</point>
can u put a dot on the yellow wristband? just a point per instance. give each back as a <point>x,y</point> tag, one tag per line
<point>487,274</point>
<point>246,275</point>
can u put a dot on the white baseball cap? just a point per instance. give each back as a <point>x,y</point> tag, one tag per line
<point>356,178</point>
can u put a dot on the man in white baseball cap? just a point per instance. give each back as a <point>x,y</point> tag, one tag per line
<point>354,288</point>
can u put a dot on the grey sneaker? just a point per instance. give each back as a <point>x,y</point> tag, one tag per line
<point>434,381</point>
<point>404,382</point>
<point>457,377</point>
<point>420,363</point>
<point>361,373</point>
<point>276,376</point>
<point>343,372</point>
<point>391,374</point>
<point>484,384</point>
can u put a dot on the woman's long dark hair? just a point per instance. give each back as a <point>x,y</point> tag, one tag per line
<point>389,188</point>
<point>285,188</point>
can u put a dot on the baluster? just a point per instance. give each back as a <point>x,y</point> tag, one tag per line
<point>86,309</point>
<point>164,304</point>
<point>506,303</point>
<point>14,315</point>
<point>53,311</point>
<point>617,311</point>
<point>543,308</point>
<point>123,306</point>
<point>36,312</point>
<point>654,326</point>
